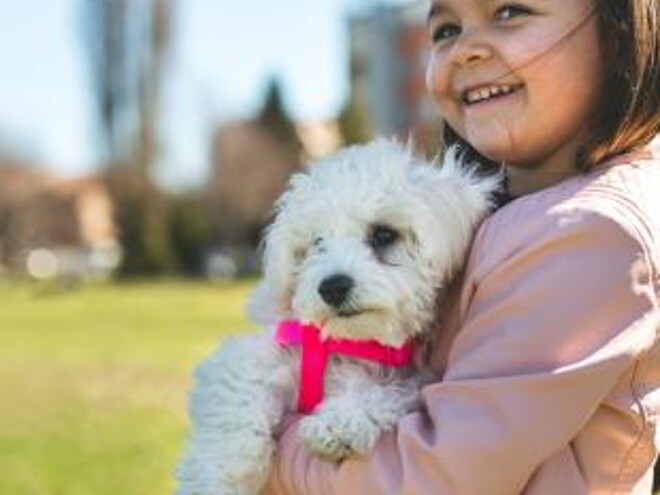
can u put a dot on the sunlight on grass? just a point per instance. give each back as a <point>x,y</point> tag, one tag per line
<point>95,381</point>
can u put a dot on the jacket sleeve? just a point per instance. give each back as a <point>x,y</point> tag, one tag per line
<point>548,327</point>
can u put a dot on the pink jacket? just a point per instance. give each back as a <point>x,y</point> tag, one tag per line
<point>550,360</point>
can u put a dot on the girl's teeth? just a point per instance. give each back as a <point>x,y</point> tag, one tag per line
<point>486,93</point>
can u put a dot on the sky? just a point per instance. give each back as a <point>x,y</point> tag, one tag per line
<point>222,54</point>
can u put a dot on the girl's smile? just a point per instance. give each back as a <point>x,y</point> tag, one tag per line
<point>518,81</point>
<point>489,99</point>
<point>488,92</point>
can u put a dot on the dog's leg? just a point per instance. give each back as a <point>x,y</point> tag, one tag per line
<point>241,394</point>
<point>351,421</point>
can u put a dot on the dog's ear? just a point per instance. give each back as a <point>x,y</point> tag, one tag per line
<point>261,306</point>
<point>271,300</point>
<point>457,198</point>
<point>476,189</point>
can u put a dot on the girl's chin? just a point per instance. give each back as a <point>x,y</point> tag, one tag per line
<point>499,154</point>
<point>501,151</point>
<point>496,143</point>
<point>493,144</point>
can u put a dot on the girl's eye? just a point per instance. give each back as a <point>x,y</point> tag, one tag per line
<point>507,12</point>
<point>444,32</point>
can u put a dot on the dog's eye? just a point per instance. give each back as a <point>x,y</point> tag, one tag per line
<point>382,236</point>
<point>317,245</point>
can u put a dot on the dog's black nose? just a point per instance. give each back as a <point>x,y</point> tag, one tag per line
<point>334,289</point>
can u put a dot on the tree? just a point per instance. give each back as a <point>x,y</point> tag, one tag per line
<point>127,43</point>
<point>275,119</point>
<point>353,123</point>
<point>190,230</point>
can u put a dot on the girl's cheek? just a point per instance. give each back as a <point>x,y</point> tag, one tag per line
<point>437,79</point>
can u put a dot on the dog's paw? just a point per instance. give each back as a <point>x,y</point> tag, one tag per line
<point>338,436</point>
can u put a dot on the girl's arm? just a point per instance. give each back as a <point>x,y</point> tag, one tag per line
<point>556,311</point>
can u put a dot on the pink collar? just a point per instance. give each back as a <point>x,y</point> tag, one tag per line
<point>315,352</point>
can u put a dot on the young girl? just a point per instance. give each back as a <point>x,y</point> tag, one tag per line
<point>549,361</point>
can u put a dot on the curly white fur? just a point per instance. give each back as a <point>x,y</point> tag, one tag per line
<point>324,227</point>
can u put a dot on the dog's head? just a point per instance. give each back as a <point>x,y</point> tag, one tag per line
<point>362,243</point>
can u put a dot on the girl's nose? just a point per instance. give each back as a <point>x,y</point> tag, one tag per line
<point>470,49</point>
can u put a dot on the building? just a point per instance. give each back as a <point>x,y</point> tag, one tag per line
<point>250,169</point>
<point>388,47</point>
<point>319,138</point>
<point>53,227</point>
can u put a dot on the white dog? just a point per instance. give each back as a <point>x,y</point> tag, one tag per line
<point>355,261</point>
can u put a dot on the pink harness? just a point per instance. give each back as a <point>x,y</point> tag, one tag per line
<point>315,353</point>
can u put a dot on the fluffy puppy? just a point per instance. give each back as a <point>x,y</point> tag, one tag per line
<point>361,248</point>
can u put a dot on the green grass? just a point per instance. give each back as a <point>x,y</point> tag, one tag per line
<point>94,382</point>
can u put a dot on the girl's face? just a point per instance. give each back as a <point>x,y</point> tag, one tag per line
<point>518,81</point>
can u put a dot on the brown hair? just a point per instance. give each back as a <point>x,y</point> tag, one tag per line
<point>629,115</point>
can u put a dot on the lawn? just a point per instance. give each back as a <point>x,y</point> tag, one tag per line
<point>94,382</point>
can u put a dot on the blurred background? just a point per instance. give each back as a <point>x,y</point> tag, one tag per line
<point>150,137</point>
<point>142,144</point>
